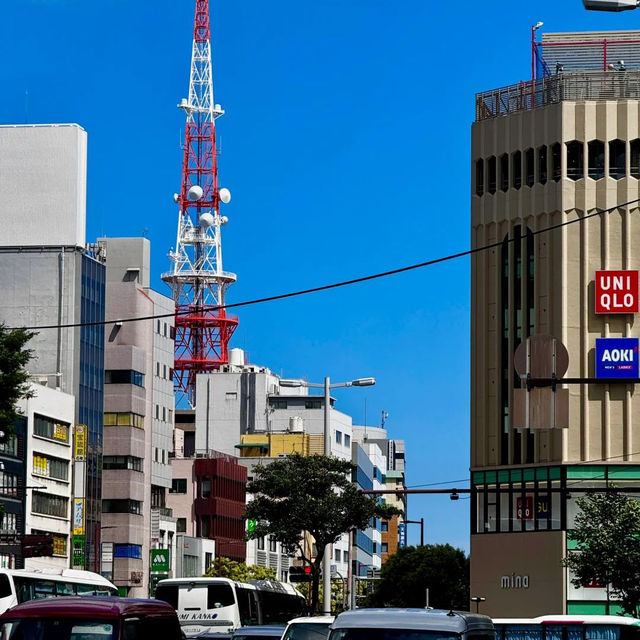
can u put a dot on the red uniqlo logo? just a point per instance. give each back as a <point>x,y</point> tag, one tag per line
<point>616,292</point>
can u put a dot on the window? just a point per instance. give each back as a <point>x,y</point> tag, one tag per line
<point>479,177</point>
<point>384,525</point>
<point>123,420</point>
<point>178,485</point>
<point>491,166</point>
<point>158,369</point>
<point>124,376</point>
<point>181,525</point>
<point>9,523</point>
<point>313,404</point>
<point>261,543</point>
<point>272,543</point>
<point>634,153</point>
<point>127,551</point>
<point>542,164</point>
<point>529,168</point>
<point>517,170</point>
<point>617,159</point>
<point>575,162</point>
<point>279,403</point>
<point>129,463</point>
<point>205,491</point>
<point>338,437</point>
<point>8,483</point>
<point>50,467</point>
<point>504,172</point>
<point>384,547</point>
<point>49,505</point>
<point>596,159</point>
<point>556,162</point>
<point>50,429</point>
<point>122,506</point>
<point>347,440</point>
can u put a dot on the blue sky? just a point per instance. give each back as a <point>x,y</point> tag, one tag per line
<point>346,148</point>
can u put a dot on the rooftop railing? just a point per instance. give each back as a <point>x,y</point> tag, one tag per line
<point>579,86</point>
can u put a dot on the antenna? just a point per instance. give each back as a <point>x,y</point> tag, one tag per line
<point>383,419</point>
<point>198,281</point>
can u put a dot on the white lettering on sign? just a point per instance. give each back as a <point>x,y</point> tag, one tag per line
<point>617,355</point>
<point>514,582</point>
<point>616,301</point>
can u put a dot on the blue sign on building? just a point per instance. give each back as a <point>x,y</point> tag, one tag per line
<point>617,358</point>
<point>402,535</point>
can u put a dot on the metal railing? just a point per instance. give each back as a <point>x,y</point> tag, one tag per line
<point>584,85</point>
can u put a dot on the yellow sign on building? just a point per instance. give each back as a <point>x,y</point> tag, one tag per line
<point>80,441</point>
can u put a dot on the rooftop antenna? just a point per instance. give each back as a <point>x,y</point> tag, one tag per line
<point>385,415</point>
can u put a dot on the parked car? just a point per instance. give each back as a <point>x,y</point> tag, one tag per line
<point>262,632</point>
<point>90,618</point>
<point>308,628</point>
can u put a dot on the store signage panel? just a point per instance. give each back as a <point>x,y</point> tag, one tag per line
<point>617,358</point>
<point>616,291</point>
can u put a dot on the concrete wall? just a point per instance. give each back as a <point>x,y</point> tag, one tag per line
<point>43,171</point>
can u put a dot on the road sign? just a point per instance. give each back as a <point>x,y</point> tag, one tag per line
<point>251,525</point>
<point>402,535</point>
<point>160,560</point>
<point>616,291</point>
<point>617,358</point>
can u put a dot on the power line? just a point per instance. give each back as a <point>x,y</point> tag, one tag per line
<point>336,285</point>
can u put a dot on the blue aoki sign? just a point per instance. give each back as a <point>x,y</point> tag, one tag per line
<point>402,535</point>
<point>617,358</point>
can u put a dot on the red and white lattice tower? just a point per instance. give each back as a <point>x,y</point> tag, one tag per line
<point>197,280</point>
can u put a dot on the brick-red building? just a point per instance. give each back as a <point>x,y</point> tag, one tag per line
<point>219,503</point>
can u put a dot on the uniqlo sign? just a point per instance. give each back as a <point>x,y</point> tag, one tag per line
<point>616,292</point>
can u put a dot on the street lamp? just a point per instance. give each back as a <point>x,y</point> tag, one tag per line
<point>327,386</point>
<point>478,600</point>
<point>610,5</point>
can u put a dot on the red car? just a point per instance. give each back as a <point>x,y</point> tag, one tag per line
<point>90,618</point>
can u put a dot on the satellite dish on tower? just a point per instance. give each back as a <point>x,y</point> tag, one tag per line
<point>225,195</point>
<point>195,193</point>
<point>206,220</point>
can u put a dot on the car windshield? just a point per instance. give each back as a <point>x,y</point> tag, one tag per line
<point>55,629</point>
<point>391,634</point>
<point>307,631</point>
<point>254,636</point>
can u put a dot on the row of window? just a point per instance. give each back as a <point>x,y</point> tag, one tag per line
<point>164,414</point>
<point>50,429</point>
<point>9,484</point>
<point>49,505</point>
<point>59,541</point>
<point>282,403</point>
<point>160,455</point>
<point>124,376</point>
<point>339,438</point>
<point>518,169</point>
<point>178,485</point>
<point>123,420</point>
<point>122,506</point>
<point>163,371</point>
<point>127,551</point>
<point>166,330</point>
<point>50,467</point>
<point>272,543</point>
<point>130,463</point>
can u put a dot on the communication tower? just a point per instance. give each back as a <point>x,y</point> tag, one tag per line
<point>198,281</point>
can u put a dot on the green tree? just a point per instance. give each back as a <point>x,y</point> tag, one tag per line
<point>313,494</point>
<point>607,532</point>
<point>407,574</point>
<point>14,378</point>
<point>234,570</point>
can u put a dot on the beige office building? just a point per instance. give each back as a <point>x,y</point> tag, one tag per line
<point>545,153</point>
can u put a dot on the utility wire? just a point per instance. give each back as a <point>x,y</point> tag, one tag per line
<point>335,285</point>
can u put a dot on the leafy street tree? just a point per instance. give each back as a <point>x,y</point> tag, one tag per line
<point>607,530</point>
<point>312,494</point>
<point>407,574</point>
<point>234,570</point>
<point>14,378</point>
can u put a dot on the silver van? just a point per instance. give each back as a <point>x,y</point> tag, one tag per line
<point>411,624</point>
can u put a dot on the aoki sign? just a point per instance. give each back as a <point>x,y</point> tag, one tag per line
<point>616,291</point>
<point>617,358</point>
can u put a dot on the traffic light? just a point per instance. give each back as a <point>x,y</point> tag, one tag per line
<point>35,546</point>
<point>300,574</point>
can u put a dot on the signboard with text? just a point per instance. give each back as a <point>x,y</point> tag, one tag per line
<point>617,358</point>
<point>78,517</point>
<point>402,535</point>
<point>159,559</point>
<point>616,291</point>
<point>80,442</point>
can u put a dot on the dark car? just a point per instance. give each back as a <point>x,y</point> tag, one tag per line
<point>90,618</point>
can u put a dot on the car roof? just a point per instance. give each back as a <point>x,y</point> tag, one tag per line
<point>313,619</point>
<point>84,606</point>
<point>395,618</point>
<point>263,630</point>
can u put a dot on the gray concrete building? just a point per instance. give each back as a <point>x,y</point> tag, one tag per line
<point>48,276</point>
<point>138,415</point>
<point>556,151</point>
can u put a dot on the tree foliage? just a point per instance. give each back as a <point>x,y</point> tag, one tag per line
<point>234,570</point>
<point>313,494</point>
<point>14,378</point>
<point>407,574</point>
<point>607,530</point>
